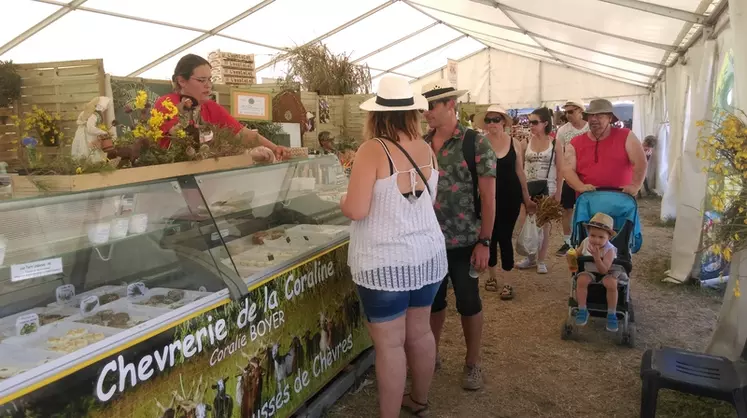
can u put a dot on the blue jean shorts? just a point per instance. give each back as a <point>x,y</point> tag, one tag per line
<point>384,306</point>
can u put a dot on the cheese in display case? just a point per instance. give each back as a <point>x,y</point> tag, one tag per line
<point>86,322</point>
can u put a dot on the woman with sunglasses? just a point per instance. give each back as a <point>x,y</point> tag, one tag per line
<point>543,166</point>
<point>192,89</point>
<point>510,192</point>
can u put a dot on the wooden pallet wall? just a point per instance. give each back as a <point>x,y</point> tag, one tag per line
<point>62,87</point>
<point>354,118</point>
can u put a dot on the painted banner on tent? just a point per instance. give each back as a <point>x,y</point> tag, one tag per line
<point>262,356</point>
<point>452,68</point>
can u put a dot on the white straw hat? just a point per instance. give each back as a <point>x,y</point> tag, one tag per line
<point>440,89</point>
<point>576,103</point>
<point>395,94</point>
<point>480,117</point>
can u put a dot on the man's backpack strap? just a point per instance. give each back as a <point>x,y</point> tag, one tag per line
<point>468,150</point>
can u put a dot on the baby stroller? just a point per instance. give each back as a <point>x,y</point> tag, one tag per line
<point>623,209</point>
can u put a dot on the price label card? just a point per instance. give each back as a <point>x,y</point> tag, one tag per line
<point>26,271</point>
<point>89,305</point>
<point>136,290</point>
<point>65,294</point>
<point>223,233</point>
<point>27,324</point>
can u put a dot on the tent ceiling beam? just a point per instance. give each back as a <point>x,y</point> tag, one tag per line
<point>660,10</point>
<point>553,53</point>
<point>507,9</point>
<point>391,72</point>
<point>452,27</point>
<point>202,37</point>
<point>161,23</point>
<point>59,13</point>
<point>398,41</point>
<point>330,33</point>
<point>540,36</point>
<point>430,51</point>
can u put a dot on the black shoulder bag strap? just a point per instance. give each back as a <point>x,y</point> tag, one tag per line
<point>469,152</point>
<point>552,159</point>
<point>414,164</point>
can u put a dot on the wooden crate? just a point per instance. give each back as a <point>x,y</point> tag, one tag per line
<point>23,186</point>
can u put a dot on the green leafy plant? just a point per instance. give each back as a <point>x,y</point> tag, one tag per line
<point>10,83</point>
<point>265,128</point>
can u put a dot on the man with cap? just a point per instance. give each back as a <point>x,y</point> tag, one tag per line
<point>574,112</point>
<point>462,154</point>
<point>605,157</point>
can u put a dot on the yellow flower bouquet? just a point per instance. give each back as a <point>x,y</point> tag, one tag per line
<point>42,125</point>
<point>723,144</point>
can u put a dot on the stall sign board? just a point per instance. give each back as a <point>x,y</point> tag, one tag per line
<point>248,105</point>
<point>262,356</point>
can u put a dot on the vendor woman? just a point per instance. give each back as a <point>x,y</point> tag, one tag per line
<point>192,81</point>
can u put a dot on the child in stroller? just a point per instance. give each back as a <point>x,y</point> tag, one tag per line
<point>607,211</point>
<point>598,246</point>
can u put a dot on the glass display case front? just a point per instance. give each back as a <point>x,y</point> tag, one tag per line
<point>82,273</point>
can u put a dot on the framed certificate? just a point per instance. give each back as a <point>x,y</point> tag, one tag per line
<point>248,105</point>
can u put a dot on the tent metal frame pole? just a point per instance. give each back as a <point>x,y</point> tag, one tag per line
<point>468,56</point>
<point>391,72</point>
<point>398,41</point>
<point>202,37</point>
<point>505,9</point>
<point>555,54</point>
<point>55,16</point>
<point>330,33</point>
<point>452,27</point>
<point>660,10</point>
<point>540,36</point>
<point>161,23</point>
<point>430,51</point>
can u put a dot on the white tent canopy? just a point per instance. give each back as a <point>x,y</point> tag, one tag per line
<point>601,47</point>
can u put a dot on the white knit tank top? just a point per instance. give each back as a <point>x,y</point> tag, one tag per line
<point>399,246</point>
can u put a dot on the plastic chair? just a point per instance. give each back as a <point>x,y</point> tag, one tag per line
<point>694,373</point>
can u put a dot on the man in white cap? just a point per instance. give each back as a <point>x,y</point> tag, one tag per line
<point>465,208</point>
<point>574,112</point>
<point>605,157</point>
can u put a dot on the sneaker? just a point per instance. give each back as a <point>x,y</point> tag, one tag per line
<point>562,250</point>
<point>541,268</point>
<point>611,322</point>
<point>472,379</point>
<point>526,263</point>
<point>582,317</point>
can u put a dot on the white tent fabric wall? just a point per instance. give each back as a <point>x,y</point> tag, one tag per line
<point>473,75</point>
<point>514,80</point>
<point>729,338</point>
<point>677,84</point>
<point>690,198</point>
<point>662,148</point>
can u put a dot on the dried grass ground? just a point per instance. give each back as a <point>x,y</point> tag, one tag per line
<point>531,372</point>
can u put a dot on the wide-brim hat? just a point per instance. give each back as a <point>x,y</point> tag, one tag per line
<point>601,106</point>
<point>602,221</point>
<point>479,121</point>
<point>575,103</point>
<point>440,89</point>
<point>395,94</point>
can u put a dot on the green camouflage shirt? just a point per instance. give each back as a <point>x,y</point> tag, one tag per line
<point>454,200</point>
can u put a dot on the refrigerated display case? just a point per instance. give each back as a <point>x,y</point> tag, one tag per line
<point>86,276</point>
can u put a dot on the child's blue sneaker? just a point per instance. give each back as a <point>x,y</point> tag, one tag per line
<point>582,317</point>
<point>611,322</point>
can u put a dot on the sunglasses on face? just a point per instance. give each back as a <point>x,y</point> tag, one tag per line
<point>496,119</point>
<point>432,105</point>
<point>534,122</point>
<point>570,112</point>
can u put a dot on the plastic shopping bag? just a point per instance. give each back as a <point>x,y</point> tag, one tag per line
<point>528,241</point>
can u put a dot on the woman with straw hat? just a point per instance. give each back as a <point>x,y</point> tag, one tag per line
<point>397,252</point>
<point>510,192</point>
